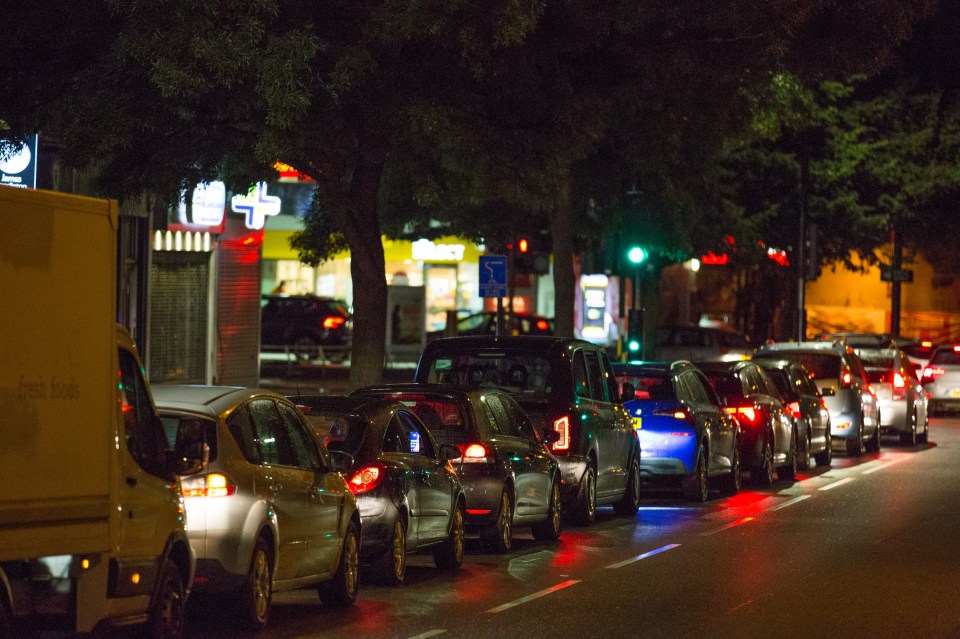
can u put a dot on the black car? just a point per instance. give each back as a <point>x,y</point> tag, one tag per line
<point>768,439</point>
<point>409,497</point>
<point>563,384</point>
<point>686,437</point>
<point>508,474</point>
<point>311,327</point>
<point>485,323</point>
<point>806,405</point>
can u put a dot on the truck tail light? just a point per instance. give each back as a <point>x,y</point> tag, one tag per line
<point>562,426</point>
<point>211,485</point>
<point>367,478</point>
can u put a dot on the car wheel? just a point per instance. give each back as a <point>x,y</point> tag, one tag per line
<point>391,567</point>
<point>449,556</point>
<point>763,474</point>
<point>695,487</point>
<point>925,435</point>
<point>855,445</point>
<point>909,438</point>
<point>167,610</point>
<point>873,445</point>
<point>734,481</point>
<point>549,528</point>
<point>499,536</point>
<point>585,508</point>
<point>341,591</point>
<point>788,472</point>
<point>825,457</point>
<point>630,503</point>
<point>305,347</point>
<point>805,463</point>
<point>257,590</point>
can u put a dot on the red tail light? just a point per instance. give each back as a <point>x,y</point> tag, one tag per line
<point>333,321</point>
<point>542,325</point>
<point>367,478</point>
<point>212,485</point>
<point>898,381</point>
<point>846,380</point>
<point>930,372</point>
<point>749,414</point>
<point>562,426</point>
<point>793,409</point>
<point>477,453</point>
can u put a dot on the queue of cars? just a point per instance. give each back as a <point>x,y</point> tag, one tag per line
<point>497,433</point>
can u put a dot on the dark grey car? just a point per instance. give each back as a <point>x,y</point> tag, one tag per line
<point>565,385</point>
<point>508,474</point>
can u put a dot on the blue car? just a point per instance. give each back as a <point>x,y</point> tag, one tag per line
<point>685,435</point>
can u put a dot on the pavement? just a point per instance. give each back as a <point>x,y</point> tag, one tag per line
<point>323,378</point>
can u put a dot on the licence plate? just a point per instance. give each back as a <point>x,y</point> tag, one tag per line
<point>638,421</point>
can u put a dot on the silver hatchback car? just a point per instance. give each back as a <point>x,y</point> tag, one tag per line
<point>270,510</point>
<point>903,403</point>
<point>941,379</point>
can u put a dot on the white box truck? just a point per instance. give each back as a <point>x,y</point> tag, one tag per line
<point>91,518</point>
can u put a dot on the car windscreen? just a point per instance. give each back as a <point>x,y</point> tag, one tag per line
<point>873,360</point>
<point>522,373</point>
<point>820,365</point>
<point>946,357</point>
<point>338,430</point>
<point>648,387</point>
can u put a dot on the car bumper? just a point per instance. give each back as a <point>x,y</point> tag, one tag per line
<point>482,487</point>
<point>844,425</point>
<point>893,415</point>
<point>378,513</point>
<point>751,448</point>
<point>572,468</point>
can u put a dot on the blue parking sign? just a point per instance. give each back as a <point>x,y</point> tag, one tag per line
<point>493,276</point>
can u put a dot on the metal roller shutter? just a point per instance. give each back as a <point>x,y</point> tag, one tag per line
<point>179,312</point>
<point>238,308</point>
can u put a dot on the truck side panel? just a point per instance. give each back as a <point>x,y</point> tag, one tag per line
<point>58,404</point>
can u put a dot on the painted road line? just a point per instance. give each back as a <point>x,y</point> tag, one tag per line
<point>428,634</point>
<point>845,480</point>
<point>536,595</point>
<point>795,500</point>
<point>732,524</point>
<point>643,556</point>
<point>884,465</point>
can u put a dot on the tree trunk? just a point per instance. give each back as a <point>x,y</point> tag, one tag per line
<point>361,228</point>
<point>563,276</point>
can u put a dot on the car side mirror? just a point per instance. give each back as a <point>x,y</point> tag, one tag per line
<point>340,460</point>
<point>627,393</point>
<point>449,451</point>
<point>550,436</point>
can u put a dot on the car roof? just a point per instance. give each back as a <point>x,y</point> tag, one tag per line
<point>809,346</point>
<point>514,342</point>
<point>202,398</point>
<point>639,368</point>
<point>451,391</point>
<point>720,367</point>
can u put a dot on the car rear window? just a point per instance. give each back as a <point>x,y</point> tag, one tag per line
<point>653,388</point>
<point>338,430</point>
<point>193,431</point>
<point>878,375</point>
<point>946,357</point>
<point>726,385</point>
<point>820,365</point>
<point>521,373</point>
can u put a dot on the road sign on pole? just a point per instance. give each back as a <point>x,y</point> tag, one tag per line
<point>493,275</point>
<point>888,274</point>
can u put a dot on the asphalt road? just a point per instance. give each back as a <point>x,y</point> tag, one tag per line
<point>869,547</point>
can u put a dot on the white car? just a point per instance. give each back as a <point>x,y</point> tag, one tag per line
<point>941,378</point>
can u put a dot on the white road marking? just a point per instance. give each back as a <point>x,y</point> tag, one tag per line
<point>428,634</point>
<point>845,480</point>
<point>536,595</point>
<point>627,562</point>
<point>884,465</point>
<point>732,524</point>
<point>795,500</point>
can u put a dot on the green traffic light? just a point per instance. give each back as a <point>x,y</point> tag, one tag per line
<point>633,346</point>
<point>637,255</point>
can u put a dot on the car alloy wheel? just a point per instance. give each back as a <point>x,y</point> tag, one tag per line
<point>585,509</point>
<point>499,536</point>
<point>549,528</point>
<point>392,566</point>
<point>695,486</point>
<point>855,445</point>
<point>734,481</point>
<point>630,503</point>
<point>167,608</point>
<point>789,471</point>
<point>258,589</point>
<point>763,475</point>
<point>805,462</point>
<point>450,554</point>
<point>909,438</point>
<point>341,591</point>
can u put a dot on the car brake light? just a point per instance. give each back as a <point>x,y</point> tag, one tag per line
<point>562,426</point>
<point>847,379</point>
<point>212,485</point>
<point>930,372</point>
<point>898,381</point>
<point>749,413</point>
<point>542,325</point>
<point>793,409</point>
<point>956,349</point>
<point>476,453</point>
<point>926,344</point>
<point>367,478</point>
<point>333,321</point>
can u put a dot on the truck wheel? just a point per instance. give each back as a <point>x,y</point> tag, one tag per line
<point>168,607</point>
<point>341,591</point>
